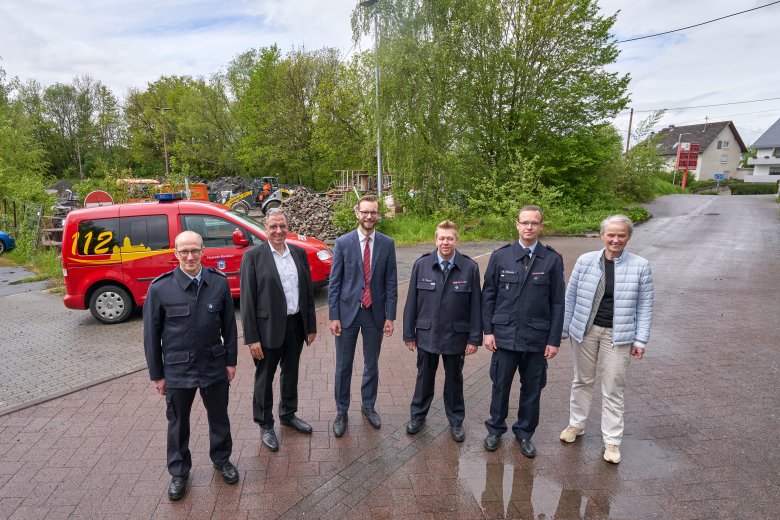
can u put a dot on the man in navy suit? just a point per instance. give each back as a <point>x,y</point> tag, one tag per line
<point>522,318</point>
<point>362,297</point>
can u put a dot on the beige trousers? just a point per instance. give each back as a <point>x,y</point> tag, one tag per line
<point>597,347</point>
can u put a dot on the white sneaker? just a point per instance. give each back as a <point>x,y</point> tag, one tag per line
<point>571,433</point>
<point>612,453</point>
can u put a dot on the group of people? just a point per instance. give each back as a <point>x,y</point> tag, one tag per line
<point>520,314</point>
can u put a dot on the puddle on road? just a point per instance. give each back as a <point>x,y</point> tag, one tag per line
<point>504,490</point>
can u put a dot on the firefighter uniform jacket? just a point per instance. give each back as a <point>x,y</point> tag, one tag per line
<point>190,335</point>
<point>440,315</point>
<point>523,305</point>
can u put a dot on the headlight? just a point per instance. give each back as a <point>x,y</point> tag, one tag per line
<point>324,254</point>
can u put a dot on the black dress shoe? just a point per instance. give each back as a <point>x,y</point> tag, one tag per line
<point>414,426</point>
<point>229,472</point>
<point>269,439</point>
<point>527,448</point>
<point>373,417</point>
<point>458,435</point>
<point>297,424</point>
<point>178,487</point>
<point>340,424</point>
<point>492,442</point>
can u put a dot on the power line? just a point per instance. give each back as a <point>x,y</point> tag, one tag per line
<point>698,24</point>
<point>706,106</point>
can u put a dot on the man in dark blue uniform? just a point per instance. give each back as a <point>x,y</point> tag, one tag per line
<point>522,318</point>
<point>190,340</point>
<point>442,317</point>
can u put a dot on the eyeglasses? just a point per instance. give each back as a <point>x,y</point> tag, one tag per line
<point>527,223</point>
<point>368,213</point>
<point>187,252</point>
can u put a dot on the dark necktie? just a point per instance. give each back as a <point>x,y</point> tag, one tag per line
<point>366,299</point>
<point>445,268</point>
<point>526,257</point>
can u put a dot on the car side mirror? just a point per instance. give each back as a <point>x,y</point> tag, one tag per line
<point>239,239</point>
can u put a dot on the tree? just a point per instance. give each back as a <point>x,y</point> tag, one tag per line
<point>22,162</point>
<point>470,86</point>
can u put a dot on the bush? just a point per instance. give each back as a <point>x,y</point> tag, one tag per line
<point>751,188</point>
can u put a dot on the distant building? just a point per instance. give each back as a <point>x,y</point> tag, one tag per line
<point>720,148</point>
<point>766,164</point>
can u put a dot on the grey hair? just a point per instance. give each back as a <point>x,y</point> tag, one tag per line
<point>617,219</point>
<point>276,211</point>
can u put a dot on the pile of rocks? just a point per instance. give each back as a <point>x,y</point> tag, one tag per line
<point>310,214</point>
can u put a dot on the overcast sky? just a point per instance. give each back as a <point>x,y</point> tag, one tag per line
<point>129,43</point>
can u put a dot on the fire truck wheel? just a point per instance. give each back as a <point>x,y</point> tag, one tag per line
<point>111,304</point>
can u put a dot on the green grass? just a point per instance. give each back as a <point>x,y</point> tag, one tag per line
<point>662,187</point>
<point>45,264</point>
<point>407,229</point>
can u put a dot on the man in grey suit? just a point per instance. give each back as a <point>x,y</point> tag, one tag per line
<point>362,297</point>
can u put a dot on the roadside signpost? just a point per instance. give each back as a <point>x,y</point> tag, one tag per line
<point>687,159</point>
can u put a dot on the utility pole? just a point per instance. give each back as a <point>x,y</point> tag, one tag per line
<point>628,135</point>
<point>369,3</point>
<point>165,139</point>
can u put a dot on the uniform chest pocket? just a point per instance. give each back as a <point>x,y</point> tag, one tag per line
<point>461,287</point>
<point>178,310</point>
<point>541,279</point>
<point>505,278</point>
<point>425,285</point>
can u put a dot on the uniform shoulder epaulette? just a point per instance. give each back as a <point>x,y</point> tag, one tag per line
<point>164,275</point>
<point>503,246</point>
<point>214,270</point>
<point>551,248</point>
<point>466,256</point>
<point>426,254</point>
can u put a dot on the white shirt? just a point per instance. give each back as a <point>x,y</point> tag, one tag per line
<point>362,241</point>
<point>288,274</point>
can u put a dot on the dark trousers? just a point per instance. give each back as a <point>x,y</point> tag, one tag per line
<point>427,364</point>
<point>287,356</point>
<point>345,357</point>
<point>179,405</point>
<point>533,377</point>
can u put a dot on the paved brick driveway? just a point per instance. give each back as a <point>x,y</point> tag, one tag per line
<point>701,413</point>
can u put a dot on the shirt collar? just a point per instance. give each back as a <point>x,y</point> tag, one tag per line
<point>362,237</point>
<point>197,277</point>
<point>285,254</point>
<point>532,247</point>
<point>440,259</point>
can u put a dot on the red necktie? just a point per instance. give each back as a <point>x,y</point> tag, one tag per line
<point>366,300</point>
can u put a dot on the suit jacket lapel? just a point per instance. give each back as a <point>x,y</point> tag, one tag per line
<point>375,255</point>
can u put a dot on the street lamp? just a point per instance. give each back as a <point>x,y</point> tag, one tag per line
<point>369,3</point>
<point>679,138</point>
<point>165,140</point>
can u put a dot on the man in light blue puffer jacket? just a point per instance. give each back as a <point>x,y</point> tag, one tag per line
<point>609,307</point>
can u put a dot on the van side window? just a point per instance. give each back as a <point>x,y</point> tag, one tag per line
<point>149,233</point>
<point>216,231</point>
<point>96,237</point>
<point>108,236</point>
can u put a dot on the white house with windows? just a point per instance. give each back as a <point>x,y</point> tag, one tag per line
<point>720,148</point>
<point>766,164</point>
